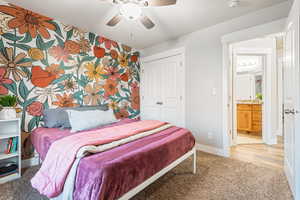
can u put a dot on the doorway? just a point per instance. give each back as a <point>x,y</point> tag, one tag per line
<point>249,96</point>
<point>254,92</point>
<point>255,98</point>
<point>290,65</point>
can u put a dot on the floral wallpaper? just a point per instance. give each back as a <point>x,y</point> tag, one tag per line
<point>47,64</point>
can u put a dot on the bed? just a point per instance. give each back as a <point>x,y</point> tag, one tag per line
<point>125,170</point>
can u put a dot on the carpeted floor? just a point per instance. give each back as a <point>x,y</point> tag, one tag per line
<point>217,178</point>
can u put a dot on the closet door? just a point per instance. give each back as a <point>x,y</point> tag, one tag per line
<point>151,91</point>
<point>162,83</point>
<point>171,86</point>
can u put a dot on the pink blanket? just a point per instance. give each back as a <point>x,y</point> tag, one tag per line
<point>51,177</point>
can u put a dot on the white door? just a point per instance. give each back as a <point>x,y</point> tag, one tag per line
<point>150,90</point>
<point>162,87</point>
<point>289,100</point>
<point>172,90</point>
<point>231,105</point>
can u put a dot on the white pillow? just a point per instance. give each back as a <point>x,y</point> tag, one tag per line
<point>84,120</point>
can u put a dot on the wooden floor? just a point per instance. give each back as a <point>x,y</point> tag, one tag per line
<point>270,156</point>
<point>243,138</point>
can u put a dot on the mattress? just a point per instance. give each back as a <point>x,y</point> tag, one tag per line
<point>110,174</point>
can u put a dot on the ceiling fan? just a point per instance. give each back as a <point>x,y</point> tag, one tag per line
<point>132,10</point>
<point>238,3</point>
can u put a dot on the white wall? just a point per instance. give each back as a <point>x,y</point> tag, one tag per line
<point>204,69</point>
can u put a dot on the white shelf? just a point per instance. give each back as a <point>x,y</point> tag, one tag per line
<point>9,120</point>
<point>10,155</point>
<point>6,136</point>
<point>10,129</point>
<point>10,177</point>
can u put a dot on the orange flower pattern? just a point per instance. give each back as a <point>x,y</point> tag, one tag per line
<point>48,65</point>
<point>107,42</point>
<point>110,87</point>
<point>59,53</point>
<point>28,22</point>
<point>41,78</point>
<point>65,101</point>
<point>135,96</point>
<point>72,47</point>
<point>4,90</point>
<point>55,70</point>
<point>121,114</point>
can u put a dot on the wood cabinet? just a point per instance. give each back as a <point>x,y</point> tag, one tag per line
<point>249,118</point>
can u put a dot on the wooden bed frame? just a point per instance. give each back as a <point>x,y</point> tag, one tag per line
<point>159,174</point>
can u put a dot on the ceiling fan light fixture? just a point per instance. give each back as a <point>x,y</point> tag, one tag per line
<point>233,3</point>
<point>131,11</point>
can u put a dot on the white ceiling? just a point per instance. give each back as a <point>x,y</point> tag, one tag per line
<point>173,21</point>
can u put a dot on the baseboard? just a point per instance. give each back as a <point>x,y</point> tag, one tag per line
<point>272,141</point>
<point>212,150</point>
<point>30,162</point>
<point>279,133</point>
<point>289,174</point>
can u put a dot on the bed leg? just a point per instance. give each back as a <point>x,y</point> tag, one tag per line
<point>194,161</point>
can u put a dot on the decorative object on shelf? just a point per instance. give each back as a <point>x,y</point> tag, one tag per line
<point>12,145</point>
<point>19,112</point>
<point>7,107</point>
<point>8,168</point>
<point>259,96</point>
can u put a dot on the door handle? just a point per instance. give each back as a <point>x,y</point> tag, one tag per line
<point>159,103</point>
<point>292,111</point>
<point>288,111</point>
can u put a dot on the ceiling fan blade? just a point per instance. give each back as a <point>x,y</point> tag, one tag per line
<point>115,20</point>
<point>161,2</point>
<point>244,4</point>
<point>147,22</point>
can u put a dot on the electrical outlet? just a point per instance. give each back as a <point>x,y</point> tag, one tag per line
<point>210,135</point>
